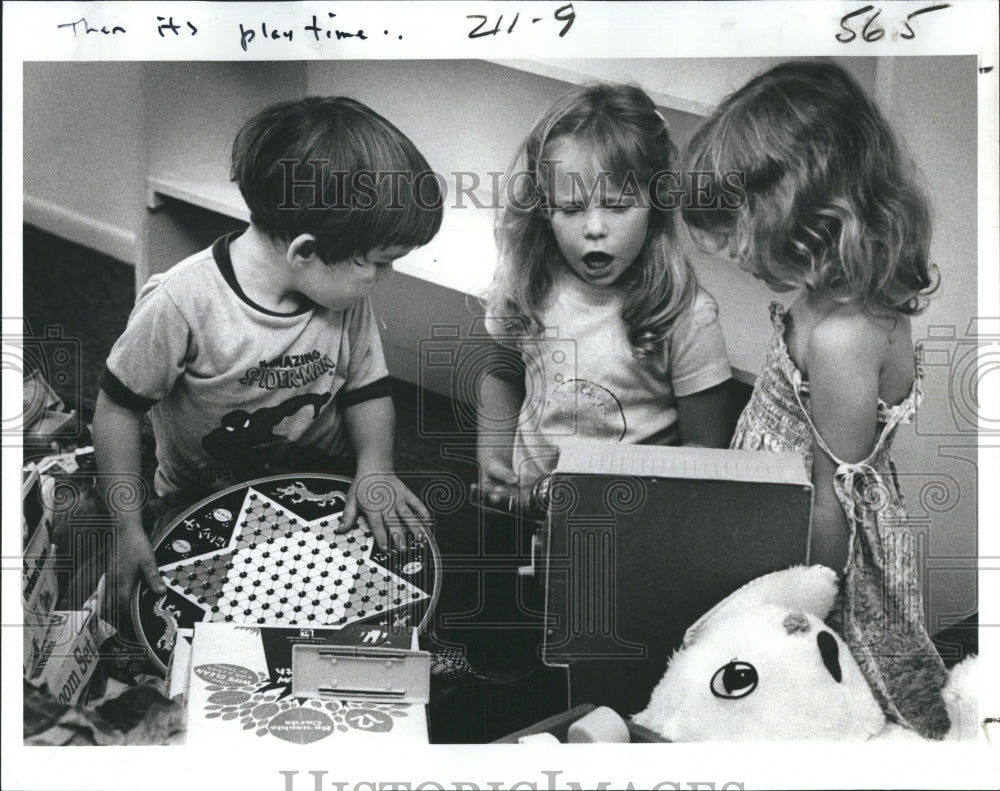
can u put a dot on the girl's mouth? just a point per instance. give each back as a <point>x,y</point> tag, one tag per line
<point>596,262</point>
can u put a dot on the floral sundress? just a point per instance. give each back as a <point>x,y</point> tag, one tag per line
<point>880,611</point>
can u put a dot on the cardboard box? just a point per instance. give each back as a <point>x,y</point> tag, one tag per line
<point>39,591</point>
<point>37,398</point>
<point>68,653</point>
<point>240,692</point>
<point>51,426</point>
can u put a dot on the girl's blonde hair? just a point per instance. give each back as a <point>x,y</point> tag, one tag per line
<point>825,197</point>
<point>620,125</point>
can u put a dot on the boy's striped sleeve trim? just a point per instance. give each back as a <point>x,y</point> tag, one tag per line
<point>380,388</point>
<point>121,395</point>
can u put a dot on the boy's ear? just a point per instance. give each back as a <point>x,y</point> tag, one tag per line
<point>301,250</point>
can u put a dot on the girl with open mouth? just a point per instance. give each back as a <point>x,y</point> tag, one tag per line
<point>592,297</point>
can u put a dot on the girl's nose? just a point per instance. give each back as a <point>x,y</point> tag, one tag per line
<point>595,227</point>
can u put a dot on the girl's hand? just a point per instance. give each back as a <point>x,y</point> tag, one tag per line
<point>392,510</point>
<point>497,481</point>
<point>498,395</point>
<point>133,556</point>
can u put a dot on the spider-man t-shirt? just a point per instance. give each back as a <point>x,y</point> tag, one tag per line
<point>235,390</point>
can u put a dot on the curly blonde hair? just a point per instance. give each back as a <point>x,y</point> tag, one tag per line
<point>826,198</point>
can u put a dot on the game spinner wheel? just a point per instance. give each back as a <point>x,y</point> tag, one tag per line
<point>267,552</point>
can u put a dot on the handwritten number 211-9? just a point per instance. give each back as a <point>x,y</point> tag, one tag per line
<point>563,14</point>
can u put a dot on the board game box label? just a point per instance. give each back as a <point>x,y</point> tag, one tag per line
<point>240,692</point>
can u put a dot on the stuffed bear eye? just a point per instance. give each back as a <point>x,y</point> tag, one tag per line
<point>734,680</point>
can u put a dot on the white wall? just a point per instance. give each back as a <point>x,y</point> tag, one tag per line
<point>932,104</point>
<point>192,111</point>
<point>84,153</point>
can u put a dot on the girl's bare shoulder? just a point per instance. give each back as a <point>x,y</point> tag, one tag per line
<point>880,344</point>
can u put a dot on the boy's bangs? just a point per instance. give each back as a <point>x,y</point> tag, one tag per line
<point>407,212</point>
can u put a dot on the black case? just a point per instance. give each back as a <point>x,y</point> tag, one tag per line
<point>641,541</point>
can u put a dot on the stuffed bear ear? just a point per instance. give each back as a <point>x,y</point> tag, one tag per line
<point>809,589</point>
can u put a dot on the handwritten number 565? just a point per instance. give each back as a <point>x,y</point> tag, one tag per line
<point>872,30</point>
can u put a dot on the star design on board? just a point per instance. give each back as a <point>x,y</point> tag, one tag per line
<point>280,570</point>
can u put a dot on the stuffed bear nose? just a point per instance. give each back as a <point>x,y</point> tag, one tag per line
<point>796,622</point>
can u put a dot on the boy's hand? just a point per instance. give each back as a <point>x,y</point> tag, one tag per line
<point>391,509</point>
<point>133,556</point>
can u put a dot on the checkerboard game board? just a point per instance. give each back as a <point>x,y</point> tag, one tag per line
<point>267,553</point>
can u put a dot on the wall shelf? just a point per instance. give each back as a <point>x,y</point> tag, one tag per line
<point>579,72</point>
<point>461,257</point>
<point>220,198</point>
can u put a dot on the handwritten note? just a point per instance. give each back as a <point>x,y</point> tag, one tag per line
<point>483,27</point>
<point>871,29</point>
<point>82,28</point>
<point>277,35</point>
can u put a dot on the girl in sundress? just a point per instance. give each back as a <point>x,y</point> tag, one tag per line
<point>828,207</point>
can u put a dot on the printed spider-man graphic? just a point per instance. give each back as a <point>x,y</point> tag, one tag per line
<point>246,442</point>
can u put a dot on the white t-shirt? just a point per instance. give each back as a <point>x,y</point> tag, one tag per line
<point>583,380</point>
<point>235,389</point>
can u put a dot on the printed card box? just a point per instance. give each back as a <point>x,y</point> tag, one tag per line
<point>38,578</point>
<point>241,691</point>
<point>39,590</point>
<point>68,653</point>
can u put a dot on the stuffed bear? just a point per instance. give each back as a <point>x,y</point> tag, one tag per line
<point>763,666</point>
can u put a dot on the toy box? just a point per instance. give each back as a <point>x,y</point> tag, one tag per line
<point>39,591</point>
<point>68,653</point>
<point>642,540</point>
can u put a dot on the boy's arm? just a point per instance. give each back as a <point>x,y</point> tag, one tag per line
<point>390,507</point>
<point>116,432</point>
